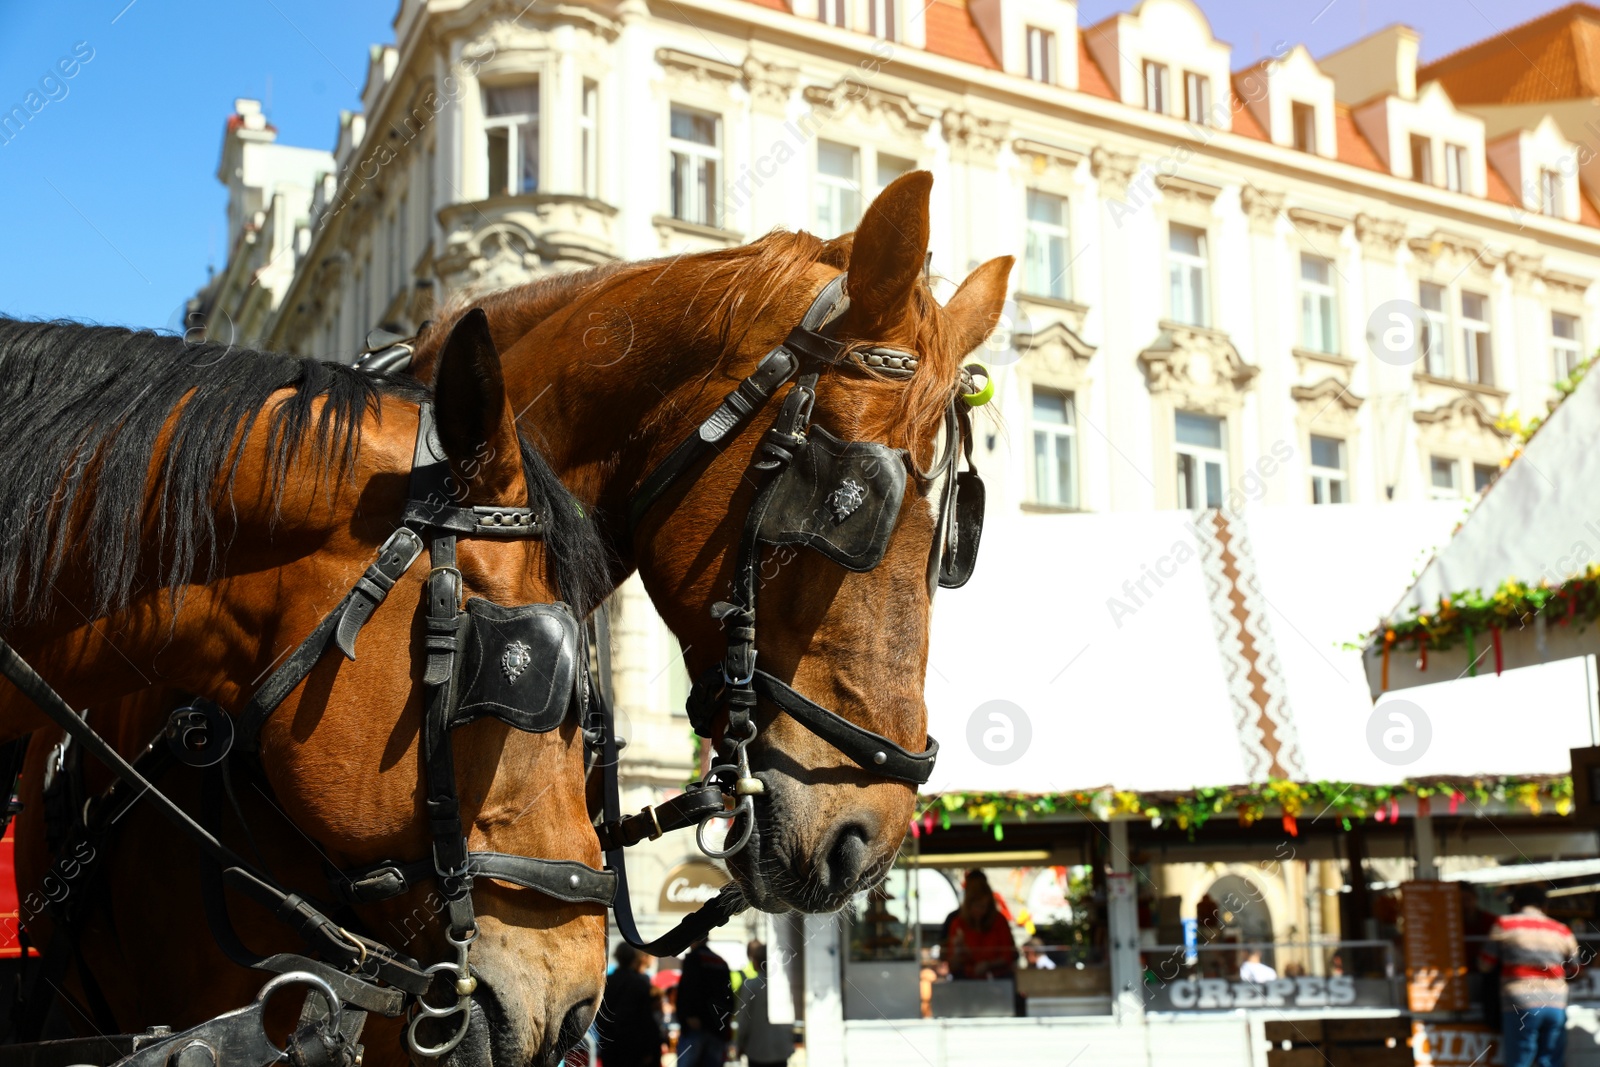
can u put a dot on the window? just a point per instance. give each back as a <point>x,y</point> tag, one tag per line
<point>1055,448</point>
<point>1477,349</point>
<point>838,188</point>
<point>1328,485</point>
<point>511,124</point>
<point>589,143</point>
<point>1455,168</point>
<point>1157,87</point>
<point>1483,476</point>
<point>890,168</point>
<point>833,12</point>
<point>882,18</point>
<point>1186,273</point>
<point>1045,259</point>
<point>1442,478</point>
<point>695,144</point>
<point>1197,98</point>
<point>1304,120</point>
<point>1317,318</point>
<point>1433,338</point>
<point>1421,159</point>
<point>1566,346</point>
<point>1549,192</point>
<point>1041,55</point>
<point>1202,463</point>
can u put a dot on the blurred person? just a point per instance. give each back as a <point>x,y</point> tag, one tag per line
<point>1253,970</point>
<point>1294,969</point>
<point>1534,953</point>
<point>628,1031</point>
<point>978,942</point>
<point>705,1008</point>
<point>1035,957</point>
<point>765,1043</point>
<point>738,978</point>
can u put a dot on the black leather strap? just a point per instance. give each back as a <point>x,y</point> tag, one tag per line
<point>567,880</point>
<point>871,751</point>
<point>396,556</point>
<point>689,808</point>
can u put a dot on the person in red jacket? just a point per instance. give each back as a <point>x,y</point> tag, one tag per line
<point>978,941</point>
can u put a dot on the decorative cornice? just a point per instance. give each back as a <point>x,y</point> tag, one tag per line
<point>1380,238</point>
<point>1317,222</point>
<point>1057,349</point>
<point>1458,412</point>
<point>1261,207</point>
<point>1570,284</point>
<point>1453,249</point>
<point>977,135</point>
<point>893,109</point>
<point>691,67</point>
<point>1326,392</point>
<point>1200,365</point>
<point>770,84</point>
<point>1047,155</point>
<point>1187,189</point>
<point>1113,170</point>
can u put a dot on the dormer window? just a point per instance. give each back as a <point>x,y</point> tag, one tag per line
<point>1421,159</point>
<point>1157,87</point>
<point>1549,192</point>
<point>1304,118</point>
<point>1041,55</point>
<point>1197,98</point>
<point>882,19</point>
<point>1455,168</point>
<point>833,12</point>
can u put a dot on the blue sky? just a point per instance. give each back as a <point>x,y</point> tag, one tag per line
<point>112,207</point>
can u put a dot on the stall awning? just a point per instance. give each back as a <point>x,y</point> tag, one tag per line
<point>1159,651</point>
<point>1539,523</point>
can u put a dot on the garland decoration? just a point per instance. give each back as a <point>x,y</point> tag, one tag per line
<point>1251,803</point>
<point>1460,617</point>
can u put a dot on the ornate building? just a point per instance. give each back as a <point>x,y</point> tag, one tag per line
<point>1294,280</point>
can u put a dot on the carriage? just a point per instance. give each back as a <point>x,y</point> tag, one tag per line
<point>428,835</point>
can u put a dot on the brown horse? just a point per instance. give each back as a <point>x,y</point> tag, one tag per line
<point>616,365</point>
<point>184,516</point>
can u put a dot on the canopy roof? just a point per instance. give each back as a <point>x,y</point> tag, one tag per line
<point>1536,529</point>
<point>1158,651</point>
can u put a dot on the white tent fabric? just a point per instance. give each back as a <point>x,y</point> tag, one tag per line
<point>1541,519</point>
<point>1130,688</point>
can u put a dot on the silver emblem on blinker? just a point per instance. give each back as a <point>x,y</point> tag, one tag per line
<point>515,659</point>
<point>845,499</point>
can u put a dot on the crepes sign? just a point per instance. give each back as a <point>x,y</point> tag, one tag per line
<point>1230,994</point>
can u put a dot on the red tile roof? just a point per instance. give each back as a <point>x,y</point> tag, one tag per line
<point>1353,146</point>
<point>1245,123</point>
<point>1091,79</point>
<point>776,5</point>
<point>1587,213</point>
<point>1499,189</point>
<point>1553,57</point>
<point>953,34</point>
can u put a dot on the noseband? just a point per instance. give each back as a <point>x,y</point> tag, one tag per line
<point>524,665</point>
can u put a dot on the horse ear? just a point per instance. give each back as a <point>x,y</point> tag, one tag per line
<point>476,427</point>
<point>890,246</point>
<point>975,308</point>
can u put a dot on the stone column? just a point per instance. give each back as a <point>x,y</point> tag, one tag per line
<point>824,991</point>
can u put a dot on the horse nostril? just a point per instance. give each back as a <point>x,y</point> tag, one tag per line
<point>848,858</point>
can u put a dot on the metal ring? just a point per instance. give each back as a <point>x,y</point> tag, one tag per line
<point>747,808</point>
<point>335,1008</point>
<point>429,1010</point>
<point>433,1051</point>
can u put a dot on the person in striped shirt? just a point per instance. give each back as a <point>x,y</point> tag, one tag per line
<point>1536,954</point>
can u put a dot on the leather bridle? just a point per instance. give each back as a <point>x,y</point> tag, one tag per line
<point>364,972</point>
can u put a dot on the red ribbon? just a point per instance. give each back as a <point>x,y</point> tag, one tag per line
<point>1499,659</point>
<point>1422,650</point>
<point>1290,826</point>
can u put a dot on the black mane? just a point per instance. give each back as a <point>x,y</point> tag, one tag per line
<point>82,409</point>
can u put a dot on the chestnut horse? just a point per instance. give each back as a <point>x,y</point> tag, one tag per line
<point>615,366</point>
<point>183,516</point>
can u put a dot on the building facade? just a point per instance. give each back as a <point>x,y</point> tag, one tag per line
<point>1284,279</point>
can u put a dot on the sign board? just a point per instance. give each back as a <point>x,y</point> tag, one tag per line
<point>1308,992</point>
<point>689,885</point>
<point>1436,954</point>
<point>1454,1045</point>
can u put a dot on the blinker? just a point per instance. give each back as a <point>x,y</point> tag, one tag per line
<point>841,498</point>
<point>519,665</point>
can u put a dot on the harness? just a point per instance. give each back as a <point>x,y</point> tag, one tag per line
<point>522,665</point>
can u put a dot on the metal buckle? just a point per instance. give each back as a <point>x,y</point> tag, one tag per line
<point>747,679</point>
